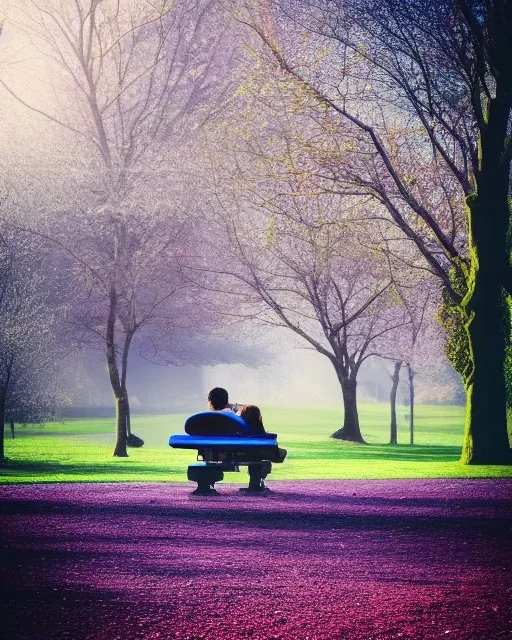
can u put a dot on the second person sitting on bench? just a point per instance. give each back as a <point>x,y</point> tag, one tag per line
<point>252,415</point>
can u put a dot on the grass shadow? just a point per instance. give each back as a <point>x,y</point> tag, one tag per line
<point>51,467</point>
<point>388,452</point>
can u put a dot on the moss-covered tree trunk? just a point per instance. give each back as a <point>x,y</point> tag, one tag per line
<point>395,379</point>
<point>351,430</point>
<point>485,437</point>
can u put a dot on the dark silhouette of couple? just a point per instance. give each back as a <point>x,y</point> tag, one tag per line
<point>218,400</point>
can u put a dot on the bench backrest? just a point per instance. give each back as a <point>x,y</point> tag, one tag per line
<point>216,423</point>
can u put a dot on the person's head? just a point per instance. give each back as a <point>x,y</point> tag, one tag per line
<point>251,414</point>
<point>218,399</point>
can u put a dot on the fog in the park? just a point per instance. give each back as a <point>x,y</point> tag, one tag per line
<point>286,374</point>
<point>256,195</point>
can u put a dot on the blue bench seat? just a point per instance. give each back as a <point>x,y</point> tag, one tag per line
<point>224,443</point>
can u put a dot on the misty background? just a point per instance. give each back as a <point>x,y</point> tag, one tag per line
<point>290,375</point>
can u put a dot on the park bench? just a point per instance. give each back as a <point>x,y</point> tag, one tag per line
<point>218,437</point>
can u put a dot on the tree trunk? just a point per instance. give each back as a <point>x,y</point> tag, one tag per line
<point>124,372</point>
<point>11,423</point>
<point>410,374</point>
<point>2,425</point>
<point>128,418</point>
<point>485,436</point>
<point>120,450</point>
<point>3,401</point>
<point>394,388</point>
<point>350,430</point>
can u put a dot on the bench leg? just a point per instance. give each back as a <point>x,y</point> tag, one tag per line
<point>205,489</point>
<point>257,474</point>
<point>206,476</point>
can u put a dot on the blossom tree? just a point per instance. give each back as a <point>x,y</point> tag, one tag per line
<point>32,319</point>
<point>305,259</point>
<point>132,81</point>
<point>310,276</point>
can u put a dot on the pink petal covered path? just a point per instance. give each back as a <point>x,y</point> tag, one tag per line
<point>315,560</point>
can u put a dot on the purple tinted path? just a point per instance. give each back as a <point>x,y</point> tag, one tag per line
<point>316,560</point>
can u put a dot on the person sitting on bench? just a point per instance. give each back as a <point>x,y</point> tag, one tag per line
<point>218,400</point>
<point>252,415</point>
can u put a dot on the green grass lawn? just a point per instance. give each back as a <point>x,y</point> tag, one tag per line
<point>81,449</point>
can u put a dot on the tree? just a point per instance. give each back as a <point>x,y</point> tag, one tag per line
<point>309,275</point>
<point>130,81</point>
<point>31,317</point>
<point>307,258</point>
<point>273,142</point>
<point>431,79</point>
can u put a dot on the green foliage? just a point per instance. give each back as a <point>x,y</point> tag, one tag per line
<point>81,450</point>
<point>452,317</point>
